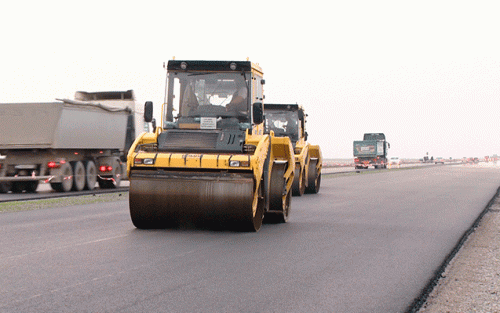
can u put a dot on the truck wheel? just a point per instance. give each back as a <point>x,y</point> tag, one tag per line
<point>5,187</point>
<point>78,176</point>
<point>31,186</point>
<point>278,200</point>
<point>314,179</point>
<point>17,187</point>
<point>28,186</point>
<point>90,175</point>
<point>67,179</point>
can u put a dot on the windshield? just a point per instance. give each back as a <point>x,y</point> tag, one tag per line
<point>208,94</point>
<point>283,124</point>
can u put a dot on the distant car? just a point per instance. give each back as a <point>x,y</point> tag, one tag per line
<point>439,160</point>
<point>394,161</point>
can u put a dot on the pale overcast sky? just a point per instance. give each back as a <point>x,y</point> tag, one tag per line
<point>426,73</point>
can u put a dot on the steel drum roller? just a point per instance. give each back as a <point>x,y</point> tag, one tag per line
<point>161,199</point>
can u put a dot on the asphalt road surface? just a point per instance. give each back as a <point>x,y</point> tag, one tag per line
<point>44,191</point>
<point>366,243</point>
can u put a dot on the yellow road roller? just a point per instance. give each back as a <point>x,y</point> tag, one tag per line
<point>209,161</point>
<point>289,120</point>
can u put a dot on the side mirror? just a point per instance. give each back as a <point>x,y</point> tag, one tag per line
<point>257,113</point>
<point>305,136</point>
<point>388,145</point>
<point>148,111</point>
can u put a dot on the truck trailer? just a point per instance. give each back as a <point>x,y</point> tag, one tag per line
<point>71,144</point>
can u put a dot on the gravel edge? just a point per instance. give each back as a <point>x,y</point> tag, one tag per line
<point>471,281</point>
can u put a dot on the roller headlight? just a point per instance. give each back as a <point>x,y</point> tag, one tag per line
<point>234,163</point>
<point>147,161</point>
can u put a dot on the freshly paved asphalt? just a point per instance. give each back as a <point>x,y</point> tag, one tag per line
<point>366,243</point>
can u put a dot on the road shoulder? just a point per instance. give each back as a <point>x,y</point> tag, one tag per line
<point>471,281</point>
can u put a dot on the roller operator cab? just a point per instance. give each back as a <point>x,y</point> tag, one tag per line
<point>209,160</point>
<point>290,120</point>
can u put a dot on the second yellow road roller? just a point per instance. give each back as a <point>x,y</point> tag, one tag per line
<point>209,161</point>
<point>289,120</point>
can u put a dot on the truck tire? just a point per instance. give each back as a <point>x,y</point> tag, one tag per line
<point>67,179</point>
<point>78,176</point>
<point>314,178</point>
<point>5,187</point>
<point>90,175</point>
<point>17,187</point>
<point>31,186</point>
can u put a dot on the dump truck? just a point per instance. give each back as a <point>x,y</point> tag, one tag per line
<point>73,144</point>
<point>116,100</point>
<point>371,151</point>
<point>290,120</point>
<point>211,163</point>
